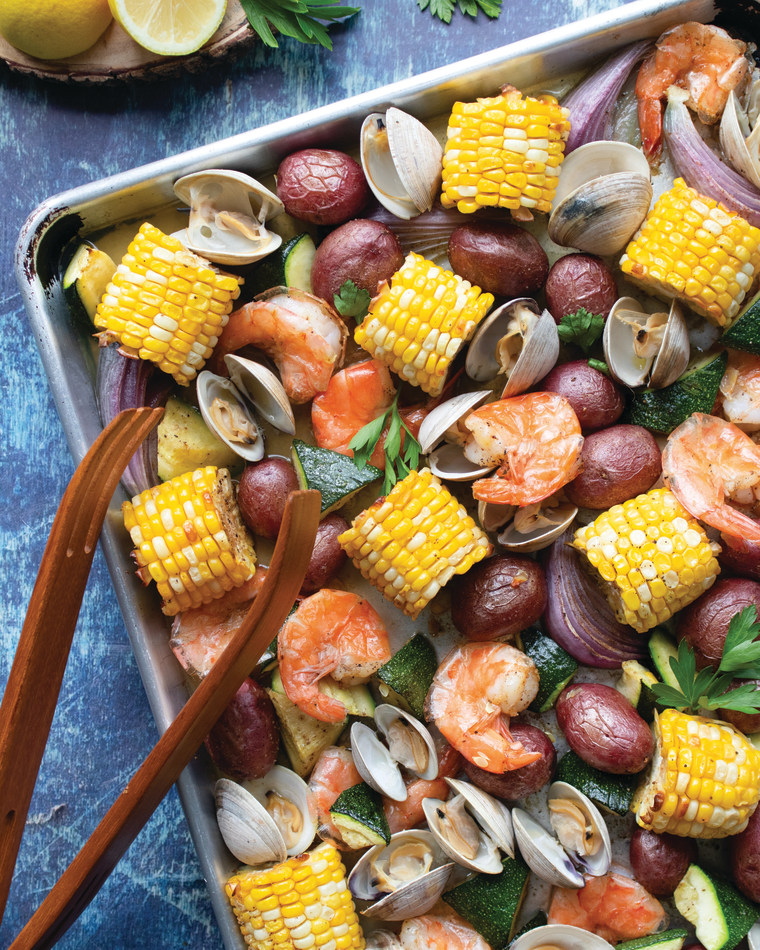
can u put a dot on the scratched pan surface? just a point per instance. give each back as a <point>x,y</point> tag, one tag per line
<point>66,351</point>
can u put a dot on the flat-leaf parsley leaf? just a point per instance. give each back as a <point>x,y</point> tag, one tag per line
<point>352,301</point>
<point>398,462</point>
<point>581,328</point>
<point>302,20</point>
<point>443,9</point>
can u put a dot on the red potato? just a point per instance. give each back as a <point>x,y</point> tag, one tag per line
<point>617,463</point>
<point>498,598</point>
<point>322,186</point>
<point>327,556</point>
<point>745,858</point>
<point>517,784</point>
<point>262,493</point>
<point>244,742</point>
<point>579,280</point>
<point>704,623</point>
<point>366,252</point>
<point>501,259</point>
<point>596,399</point>
<point>604,729</point>
<point>660,861</point>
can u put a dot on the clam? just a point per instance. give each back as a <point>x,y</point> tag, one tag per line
<point>753,937</point>
<point>560,937</point>
<point>534,527</point>
<point>227,405</point>
<point>518,341</point>
<point>407,743</point>
<point>739,133</point>
<point>580,828</point>
<point>402,162</point>
<point>543,854</point>
<point>383,940</point>
<point>404,878</point>
<point>642,348</point>
<point>228,213</point>
<point>602,196</point>
<point>442,438</point>
<point>289,802</point>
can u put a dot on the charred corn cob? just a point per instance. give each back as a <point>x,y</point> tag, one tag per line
<point>504,152</point>
<point>652,556</point>
<point>704,779</point>
<point>412,542</point>
<point>418,322</point>
<point>692,248</point>
<point>302,903</point>
<point>166,305</point>
<point>189,538</point>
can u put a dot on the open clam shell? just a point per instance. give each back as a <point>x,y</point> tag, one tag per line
<point>290,803</point>
<point>460,836</point>
<point>408,740</point>
<point>740,145</point>
<point>442,440</point>
<point>534,527</point>
<point>246,826</point>
<point>262,387</point>
<point>448,462</point>
<point>229,415</point>
<point>753,937</point>
<point>375,763</point>
<point>402,162</point>
<point>602,196</point>
<point>404,878</point>
<point>492,517</point>
<point>228,213</point>
<point>543,854</point>
<point>580,828</point>
<point>518,340</point>
<point>491,813</point>
<point>560,937</point>
<point>642,348</point>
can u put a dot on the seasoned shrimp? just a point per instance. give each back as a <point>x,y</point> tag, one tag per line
<point>613,906</point>
<point>710,465</point>
<point>702,59</point>
<point>444,930</point>
<point>332,632</point>
<point>537,440</point>
<point>333,773</point>
<point>409,813</point>
<point>740,391</point>
<point>474,692</point>
<point>299,332</point>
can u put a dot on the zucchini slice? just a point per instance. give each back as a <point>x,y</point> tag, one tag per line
<point>721,914</point>
<point>661,410</point>
<point>357,699</point>
<point>303,736</point>
<point>667,940</point>
<point>358,814</point>
<point>86,278</point>
<point>335,476</point>
<point>744,332</point>
<point>491,902</point>
<point>288,266</point>
<point>613,792</point>
<point>662,648</point>
<point>636,684</point>
<point>405,679</point>
<point>555,666</point>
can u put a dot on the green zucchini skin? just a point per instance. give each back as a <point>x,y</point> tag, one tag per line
<point>744,332</point>
<point>667,940</point>
<point>720,913</point>
<point>662,648</point>
<point>555,666</point>
<point>334,475</point>
<point>405,679</point>
<point>613,792</point>
<point>359,810</point>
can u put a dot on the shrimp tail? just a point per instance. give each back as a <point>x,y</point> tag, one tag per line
<point>650,124</point>
<point>495,750</point>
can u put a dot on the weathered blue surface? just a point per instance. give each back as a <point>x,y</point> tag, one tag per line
<point>53,138</point>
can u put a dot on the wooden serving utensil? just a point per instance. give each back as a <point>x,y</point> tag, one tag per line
<point>34,683</point>
<point>142,794</point>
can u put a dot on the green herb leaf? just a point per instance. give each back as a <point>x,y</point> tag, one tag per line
<point>352,301</point>
<point>741,650</point>
<point>599,365</point>
<point>398,464</point>
<point>364,442</point>
<point>743,698</point>
<point>443,9</point>
<point>302,20</point>
<point>581,328</point>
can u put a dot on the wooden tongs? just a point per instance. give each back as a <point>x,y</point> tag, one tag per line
<point>142,794</point>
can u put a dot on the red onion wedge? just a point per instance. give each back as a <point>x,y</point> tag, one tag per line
<point>592,101</point>
<point>700,167</point>
<point>578,616</point>
<point>124,383</point>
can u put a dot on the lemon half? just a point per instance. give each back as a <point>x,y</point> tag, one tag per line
<point>53,29</point>
<point>170,27</point>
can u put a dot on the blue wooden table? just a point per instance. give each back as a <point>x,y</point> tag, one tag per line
<point>55,137</point>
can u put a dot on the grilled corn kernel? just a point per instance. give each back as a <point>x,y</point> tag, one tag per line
<point>166,304</point>
<point>704,779</point>
<point>417,323</point>
<point>504,152</point>
<point>190,539</point>
<point>411,543</point>
<point>299,904</point>
<point>696,250</point>
<point>652,556</point>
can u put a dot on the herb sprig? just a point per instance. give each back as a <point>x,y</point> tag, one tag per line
<point>352,301</point>
<point>398,464</point>
<point>443,9</point>
<point>581,328</point>
<point>304,20</point>
<point>709,688</point>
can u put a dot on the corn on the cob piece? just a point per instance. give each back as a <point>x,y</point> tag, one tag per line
<point>692,248</point>
<point>300,904</point>
<point>703,781</point>
<point>504,152</point>
<point>411,543</point>
<point>417,323</point>
<point>166,304</point>
<point>190,539</point>
<point>652,555</point>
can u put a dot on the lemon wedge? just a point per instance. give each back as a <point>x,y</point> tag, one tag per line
<point>169,27</point>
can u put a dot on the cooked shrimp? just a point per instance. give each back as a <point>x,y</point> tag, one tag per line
<point>408,814</point>
<point>536,440</point>
<point>299,332</point>
<point>474,692</point>
<point>333,773</point>
<point>702,59</point>
<point>710,465</point>
<point>613,906</point>
<point>332,632</point>
<point>440,931</point>
<point>740,391</point>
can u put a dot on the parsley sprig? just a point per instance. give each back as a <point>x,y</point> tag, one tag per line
<point>709,688</point>
<point>352,301</point>
<point>443,9</point>
<point>303,20</point>
<point>398,464</point>
<point>581,328</point>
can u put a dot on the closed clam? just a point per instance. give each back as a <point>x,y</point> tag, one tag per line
<point>645,349</point>
<point>518,341</point>
<point>228,214</point>
<point>403,878</point>
<point>402,162</point>
<point>560,937</point>
<point>543,853</point>
<point>580,828</point>
<point>442,438</point>
<point>603,195</point>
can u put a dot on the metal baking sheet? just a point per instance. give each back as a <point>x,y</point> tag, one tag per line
<point>66,349</point>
